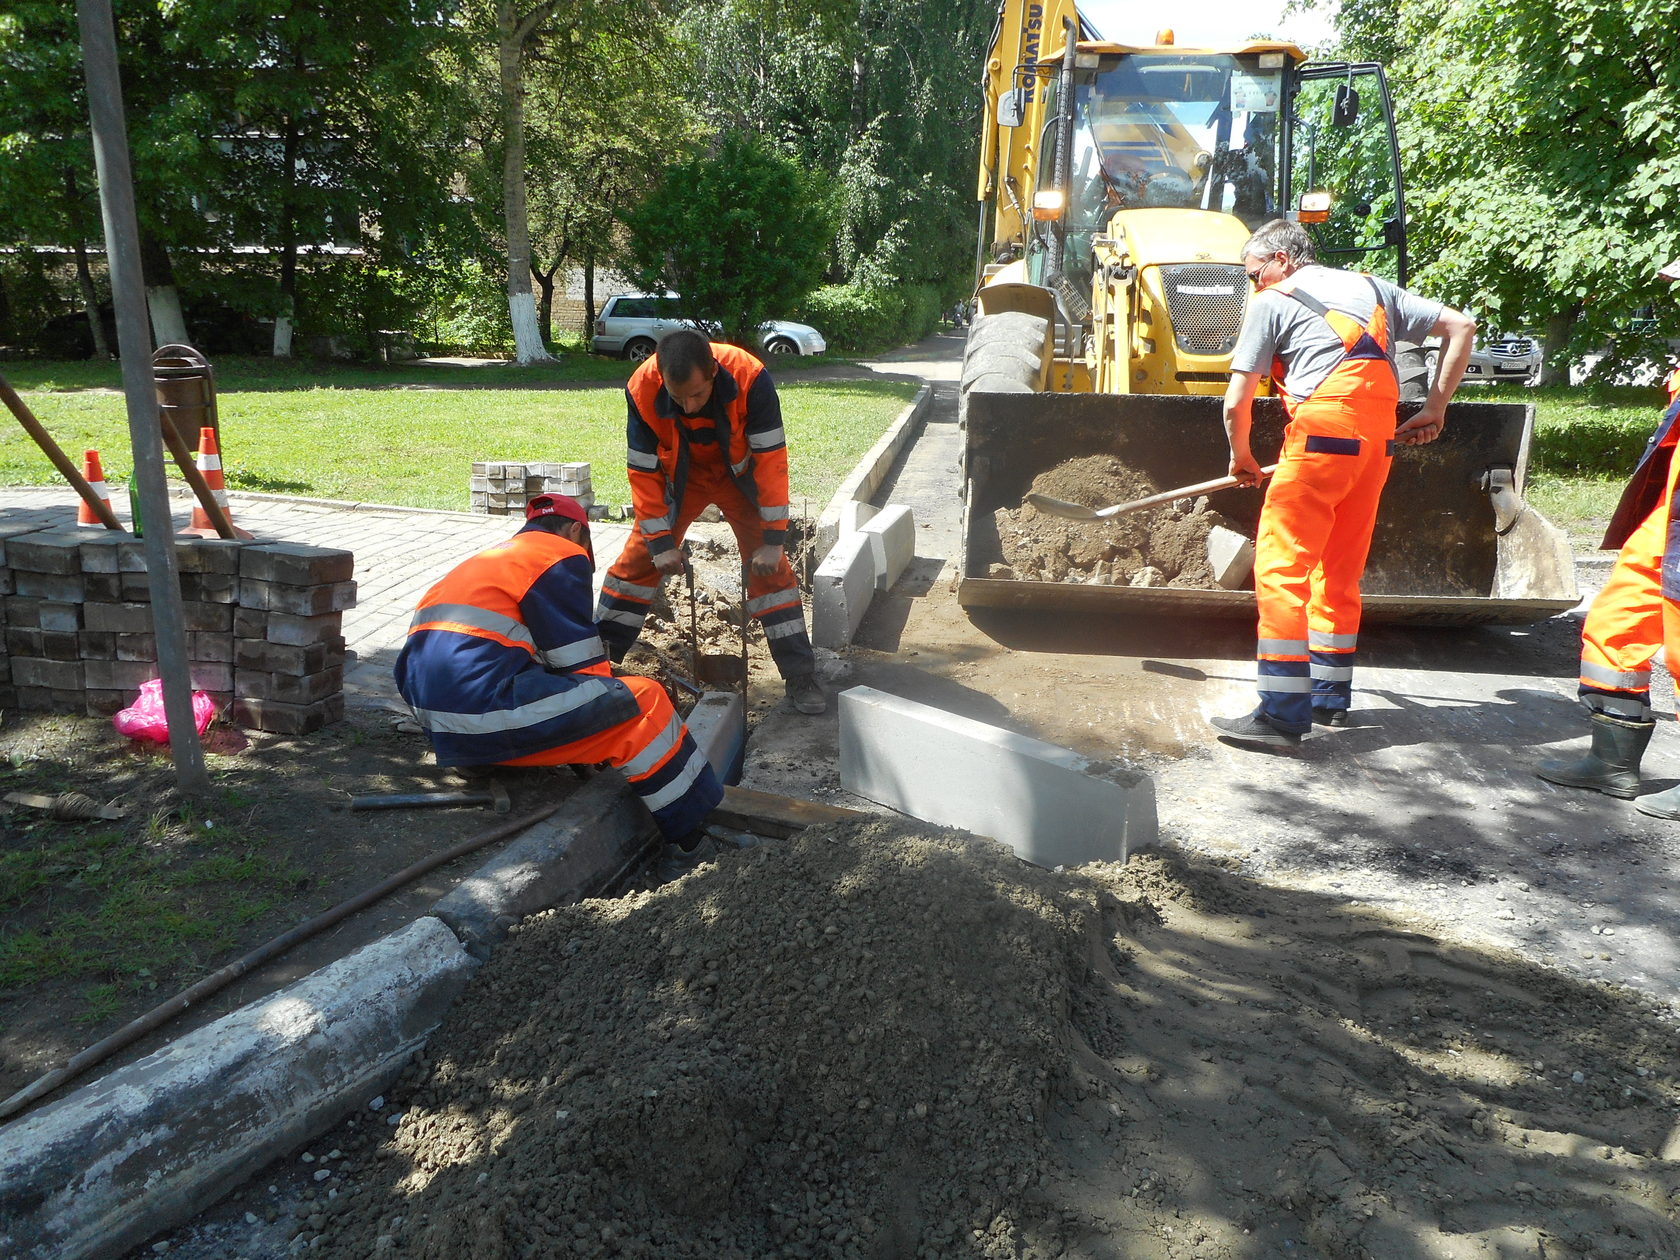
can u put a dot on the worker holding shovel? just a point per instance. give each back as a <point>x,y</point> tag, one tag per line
<point>1326,337</point>
<point>503,665</point>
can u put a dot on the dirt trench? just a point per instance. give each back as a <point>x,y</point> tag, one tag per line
<point>886,1039</point>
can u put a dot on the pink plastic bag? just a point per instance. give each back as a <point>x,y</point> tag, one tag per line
<point>144,718</point>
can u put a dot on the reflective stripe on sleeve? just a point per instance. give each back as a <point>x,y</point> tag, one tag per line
<point>546,709</point>
<point>644,461</point>
<point>573,653</point>
<point>477,618</point>
<point>618,586</point>
<point>768,440</point>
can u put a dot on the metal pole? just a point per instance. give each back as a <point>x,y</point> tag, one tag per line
<point>122,253</point>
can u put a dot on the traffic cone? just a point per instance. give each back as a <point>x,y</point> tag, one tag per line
<point>210,465</point>
<point>95,476</point>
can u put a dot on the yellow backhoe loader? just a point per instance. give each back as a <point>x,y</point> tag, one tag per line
<point>1118,184</point>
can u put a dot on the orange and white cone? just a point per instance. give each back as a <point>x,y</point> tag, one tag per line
<point>210,466</point>
<point>95,477</point>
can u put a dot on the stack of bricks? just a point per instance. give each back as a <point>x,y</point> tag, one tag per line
<point>263,624</point>
<point>288,636</point>
<point>499,488</point>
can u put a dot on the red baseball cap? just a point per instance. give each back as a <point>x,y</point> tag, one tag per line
<point>555,505</point>
<point>565,507</point>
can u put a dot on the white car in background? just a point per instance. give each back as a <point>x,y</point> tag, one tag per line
<point>632,323</point>
<point>1501,357</point>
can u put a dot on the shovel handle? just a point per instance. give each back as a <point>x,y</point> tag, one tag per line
<point>1183,492</point>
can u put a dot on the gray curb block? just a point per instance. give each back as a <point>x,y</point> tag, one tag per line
<point>601,834</point>
<point>866,478</point>
<point>153,1144</point>
<point>156,1142</point>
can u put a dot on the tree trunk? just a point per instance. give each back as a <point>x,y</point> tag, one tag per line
<point>588,294</point>
<point>163,300</point>
<point>522,310</point>
<point>286,305</point>
<point>544,278</point>
<point>1554,370</point>
<point>84,273</point>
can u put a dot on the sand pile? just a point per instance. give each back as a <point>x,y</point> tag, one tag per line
<point>887,1040</point>
<point>1164,546</point>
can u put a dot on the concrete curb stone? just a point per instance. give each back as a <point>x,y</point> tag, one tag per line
<point>155,1142</point>
<point>871,470</point>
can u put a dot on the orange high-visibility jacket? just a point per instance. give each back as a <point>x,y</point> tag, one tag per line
<point>738,431</point>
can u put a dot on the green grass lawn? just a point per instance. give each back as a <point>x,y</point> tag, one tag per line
<point>408,435</point>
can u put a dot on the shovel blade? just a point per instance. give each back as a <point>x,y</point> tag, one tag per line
<point>713,668</point>
<point>1062,508</point>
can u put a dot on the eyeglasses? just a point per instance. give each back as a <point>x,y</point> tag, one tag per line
<point>1255,275</point>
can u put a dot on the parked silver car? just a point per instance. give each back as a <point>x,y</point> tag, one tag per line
<point>632,323</point>
<point>1500,357</point>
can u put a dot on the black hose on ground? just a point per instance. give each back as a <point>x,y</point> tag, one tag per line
<point>216,980</point>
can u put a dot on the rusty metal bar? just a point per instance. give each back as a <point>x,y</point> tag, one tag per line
<point>66,467</point>
<point>189,469</point>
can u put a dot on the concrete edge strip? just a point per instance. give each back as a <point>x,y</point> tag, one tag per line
<point>866,477</point>
<point>151,1144</point>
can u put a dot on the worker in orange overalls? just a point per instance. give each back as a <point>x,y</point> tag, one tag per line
<point>1326,337</point>
<point>705,428</point>
<point>503,666</point>
<point>1626,624</point>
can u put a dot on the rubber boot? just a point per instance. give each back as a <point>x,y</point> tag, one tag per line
<point>1660,804</point>
<point>1611,764</point>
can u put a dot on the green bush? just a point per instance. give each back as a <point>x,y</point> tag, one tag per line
<point>858,318</point>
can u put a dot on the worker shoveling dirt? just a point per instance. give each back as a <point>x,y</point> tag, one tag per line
<point>1163,546</point>
<point>882,1039</point>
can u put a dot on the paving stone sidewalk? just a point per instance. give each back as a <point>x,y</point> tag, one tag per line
<point>399,553</point>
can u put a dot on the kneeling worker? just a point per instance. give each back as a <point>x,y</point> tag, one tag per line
<point>504,666</point>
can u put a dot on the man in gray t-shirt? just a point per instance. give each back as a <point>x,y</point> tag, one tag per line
<point>1327,338</point>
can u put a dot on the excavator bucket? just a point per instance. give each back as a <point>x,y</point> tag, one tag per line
<point>1455,542</point>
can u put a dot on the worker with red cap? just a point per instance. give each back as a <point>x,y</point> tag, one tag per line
<point>504,666</point>
<point>1630,618</point>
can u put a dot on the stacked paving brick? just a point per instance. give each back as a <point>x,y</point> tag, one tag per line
<point>264,625</point>
<point>499,488</point>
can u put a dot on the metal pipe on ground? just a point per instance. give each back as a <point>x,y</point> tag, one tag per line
<point>217,980</point>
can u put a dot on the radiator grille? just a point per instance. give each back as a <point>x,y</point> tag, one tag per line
<point>1205,303</point>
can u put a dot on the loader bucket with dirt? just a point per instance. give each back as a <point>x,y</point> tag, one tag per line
<point>1455,542</point>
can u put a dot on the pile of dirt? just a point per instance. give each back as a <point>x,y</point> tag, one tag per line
<point>698,639</point>
<point>1164,546</point>
<point>887,1040</point>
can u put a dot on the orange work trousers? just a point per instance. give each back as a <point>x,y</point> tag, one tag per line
<point>1625,625</point>
<point>659,759</point>
<point>633,581</point>
<point>1310,551</point>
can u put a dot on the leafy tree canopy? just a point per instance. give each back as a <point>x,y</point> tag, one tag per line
<point>740,234</point>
